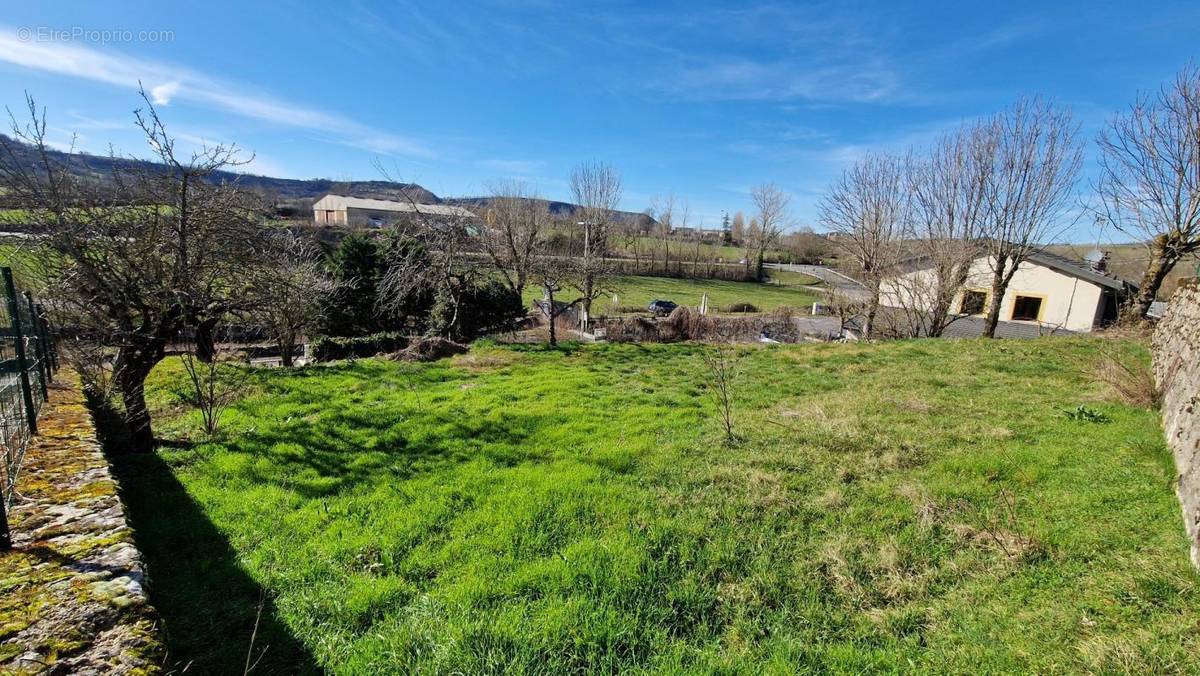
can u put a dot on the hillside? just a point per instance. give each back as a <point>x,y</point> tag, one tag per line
<point>558,209</point>
<point>297,193</point>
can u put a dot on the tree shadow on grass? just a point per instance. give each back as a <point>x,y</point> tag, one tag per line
<point>333,461</point>
<point>207,602</point>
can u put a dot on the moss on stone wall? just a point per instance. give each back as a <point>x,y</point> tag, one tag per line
<point>71,594</point>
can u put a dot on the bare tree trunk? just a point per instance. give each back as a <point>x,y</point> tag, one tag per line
<point>287,348</point>
<point>131,381</point>
<point>552,315</point>
<point>872,310</point>
<point>992,318</point>
<point>206,348</point>
<point>1161,263</point>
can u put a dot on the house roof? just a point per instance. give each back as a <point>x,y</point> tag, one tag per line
<point>343,202</point>
<point>1075,269</point>
<point>1055,262</point>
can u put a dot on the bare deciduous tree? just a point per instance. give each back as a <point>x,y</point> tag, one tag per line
<point>948,208</point>
<point>555,274</point>
<point>771,204</point>
<point>1150,178</point>
<point>134,256</point>
<point>426,257</point>
<point>514,226</point>
<point>213,384</point>
<point>722,361</point>
<point>596,188</point>
<point>868,208</point>
<point>671,216</point>
<point>291,286</point>
<point>1035,164</point>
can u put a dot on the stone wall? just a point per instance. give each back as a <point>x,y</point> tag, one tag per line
<point>1176,353</point>
<point>71,590</point>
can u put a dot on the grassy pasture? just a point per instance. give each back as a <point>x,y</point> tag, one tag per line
<point>910,506</point>
<point>638,291</point>
<point>684,249</point>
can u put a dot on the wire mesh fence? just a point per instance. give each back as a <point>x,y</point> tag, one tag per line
<point>27,363</point>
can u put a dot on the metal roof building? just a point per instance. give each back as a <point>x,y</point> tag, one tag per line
<point>362,211</point>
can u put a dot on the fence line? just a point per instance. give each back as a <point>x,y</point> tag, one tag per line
<point>28,360</point>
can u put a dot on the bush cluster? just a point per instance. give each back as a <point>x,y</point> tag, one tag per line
<point>329,348</point>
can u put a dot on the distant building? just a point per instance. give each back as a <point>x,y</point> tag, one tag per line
<point>1046,292</point>
<point>363,212</point>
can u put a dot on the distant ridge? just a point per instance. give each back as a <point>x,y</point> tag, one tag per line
<point>299,192</point>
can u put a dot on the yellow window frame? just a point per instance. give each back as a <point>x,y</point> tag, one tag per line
<point>1012,313</point>
<point>987,298</point>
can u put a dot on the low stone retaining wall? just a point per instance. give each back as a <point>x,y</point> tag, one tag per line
<point>1176,353</point>
<point>71,590</point>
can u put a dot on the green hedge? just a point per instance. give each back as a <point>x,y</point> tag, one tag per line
<point>328,348</point>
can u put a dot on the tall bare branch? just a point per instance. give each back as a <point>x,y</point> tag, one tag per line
<point>1036,157</point>
<point>1149,184</point>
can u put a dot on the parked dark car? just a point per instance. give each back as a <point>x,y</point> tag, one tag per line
<point>661,307</point>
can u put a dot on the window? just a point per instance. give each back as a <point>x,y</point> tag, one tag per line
<point>973,302</point>
<point>1027,309</point>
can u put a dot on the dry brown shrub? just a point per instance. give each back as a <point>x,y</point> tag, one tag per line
<point>429,349</point>
<point>1131,381</point>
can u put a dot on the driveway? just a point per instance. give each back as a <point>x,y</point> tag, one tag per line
<point>833,280</point>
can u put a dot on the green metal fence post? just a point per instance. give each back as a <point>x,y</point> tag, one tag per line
<point>39,343</point>
<point>50,346</point>
<point>14,310</point>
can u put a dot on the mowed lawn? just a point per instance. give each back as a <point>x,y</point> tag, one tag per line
<point>637,292</point>
<point>910,506</point>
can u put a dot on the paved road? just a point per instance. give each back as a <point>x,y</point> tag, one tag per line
<point>833,279</point>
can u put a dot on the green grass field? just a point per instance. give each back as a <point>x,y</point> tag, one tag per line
<point>909,506</point>
<point>685,250</point>
<point>637,291</point>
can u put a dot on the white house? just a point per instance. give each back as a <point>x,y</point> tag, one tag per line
<point>361,211</point>
<point>1047,292</point>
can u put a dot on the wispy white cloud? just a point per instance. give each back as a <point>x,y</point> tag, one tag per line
<point>743,79</point>
<point>167,83</point>
<point>805,53</point>
<point>162,93</point>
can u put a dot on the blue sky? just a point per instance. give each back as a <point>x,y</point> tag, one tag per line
<point>699,99</point>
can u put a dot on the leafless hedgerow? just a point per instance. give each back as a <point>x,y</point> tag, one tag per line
<point>849,309</point>
<point>686,323</point>
<point>669,214</point>
<point>1149,182</point>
